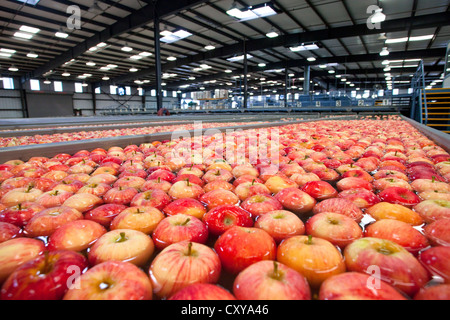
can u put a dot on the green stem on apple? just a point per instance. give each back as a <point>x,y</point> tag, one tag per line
<point>19,206</point>
<point>187,183</point>
<point>433,178</point>
<point>309,241</point>
<point>122,237</point>
<point>253,181</point>
<point>29,189</point>
<point>186,222</point>
<point>189,249</point>
<point>159,180</point>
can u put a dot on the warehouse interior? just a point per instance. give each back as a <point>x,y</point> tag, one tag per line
<point>93,79</point>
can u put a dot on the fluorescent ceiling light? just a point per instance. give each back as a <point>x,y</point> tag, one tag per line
<point>105,78</point>
<point>191,78</point>
<point>145,54</point>
<point>133,69</point>
<point>254,12</point>
<point>205,66</point>
<point>7,50</point>
<point>60,34</point>
<point>32,55</point>
<point>272,34</point>
<point>421,38</point>
<point>46,81</point>
<point>90,63</point>
<point>228,71</point>
<point>238,58</point>
<point>170,37</point>
<point>112,66</point>
<point>13,69</point>
<point>171,58</point>
<point>136,57</point>
<point>5,55</point>
<point>322,66</point>
<point>104,68</point>
<point>210,47</point>
<point>262,64</point>
<point>31,2</point>
<point>304,47</point>
<point>398,40</point>
<point>101,44</point>
<point>23,35</point>
<point>126,48</point>
<point>93,49</point>
<point>65,74</point>
<point>29,29</point>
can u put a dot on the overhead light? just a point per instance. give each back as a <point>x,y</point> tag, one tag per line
<point>105,78</point>
<point>385,62</point>
<point>253,12</point>
<point>378,16</point>
<point>65,74</point>
<point>238,58</point>
<point>272,34</point>
<point>30,2</point>
<point>145,54</point>
<point>23,35</point>
<point>90,63</point>
<point>95,48</point>
<point>29,29</point>
<point>136,57</point>
<point>13,68</point>
<point>191,78</point>
<point>228,71</point>
<point>384,52</point>
<point>210,47</point>
<point>421,38</point>
<point>171,58</point>
<point>387,69</point>
<point>322,66</point>
<point>112,66</point>
<point>338,76</point>
<point>170,37</point>
<point>61,34</point>
<point>311,59</point>
<point>87,74</point>
<point>398,40</point>
<point>104,68</point>
<point>304,47</point>
<point>32,54</point>
<point>102,44</point>
<point>11,51</point>
<point>126,48</point>
<point>205,66</point>
<point>84,84</point>
<point>261,65</point>
<point>331,71</point>
<point>133,69</point>
<point>46,81</point>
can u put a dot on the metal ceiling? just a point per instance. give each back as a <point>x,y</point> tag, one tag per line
<point>337,26</point>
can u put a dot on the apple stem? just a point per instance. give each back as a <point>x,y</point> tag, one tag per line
<point>29,189</point>
<point>122,237</point>
<point>309,241</point>
<point>189,248</point>
<point>19,206</point>
<point>159,180</point>
<point>187,183</point>
<point>186,222</point>
<point>131,162</point>
<point>253,181</point>
<point>433,178</point>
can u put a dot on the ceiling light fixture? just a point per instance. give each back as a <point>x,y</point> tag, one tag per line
<point>252,12</point>
<point>170,37</point>
<point>378,16</point>
<point>304,47</point>
<point>210,47</point>
<point>384,52</point>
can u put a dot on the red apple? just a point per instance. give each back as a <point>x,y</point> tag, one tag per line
<point>153,184</point>
<point>53,198</point>
<point>260,204</point>
<point>47,277</point>
<point>399,232</point>
<point>436,292</point>
<point>76,235</point>
<point>362,198</point>
<point>361,174</point>
<point>270,280</point>
<point>437,261</point>
<point>187,206</point>
<point>438,232</point>
<point>384,183</point>
<point>185,189</point>
<point>341,206</point>
<point>319,190</point>
<point>246,178</point>
<point>421,185</point>
<point>385,210</point>
<point>202,291</point>
<point>48,220</point>
<point>239,247</point>
<point>182,264</point>
<point>295,200</point>
<point>395,265</point>
<point>97,189</point>
<point>154,198</point>
<point>248,189</point>
<point>219,197</point>
<point>357,286</point>
<point>9,231</point>
<point>105,213</point>
<point>337,228</point>
<point>280,224</point>
<point>83,201</point>
<point>16,252</point>
<point>120,195</point>
<point>21,213</point>
<point>317,259</point>
<point>20,195</point>
<point>112,280</point>
<point>123,245</point>
<point>178,228</point>
<point>277,183</point>
<point>141,218</point>
<point>192,178</point>
<point>432,210</point>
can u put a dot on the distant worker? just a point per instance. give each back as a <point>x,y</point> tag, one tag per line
<point>163,112</point>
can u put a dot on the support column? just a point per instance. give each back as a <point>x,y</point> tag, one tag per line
<point>157,62</point>
<point>94,99</point>
<point>245,76</point>
<point>286,85</point>
<point>307,80</point>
